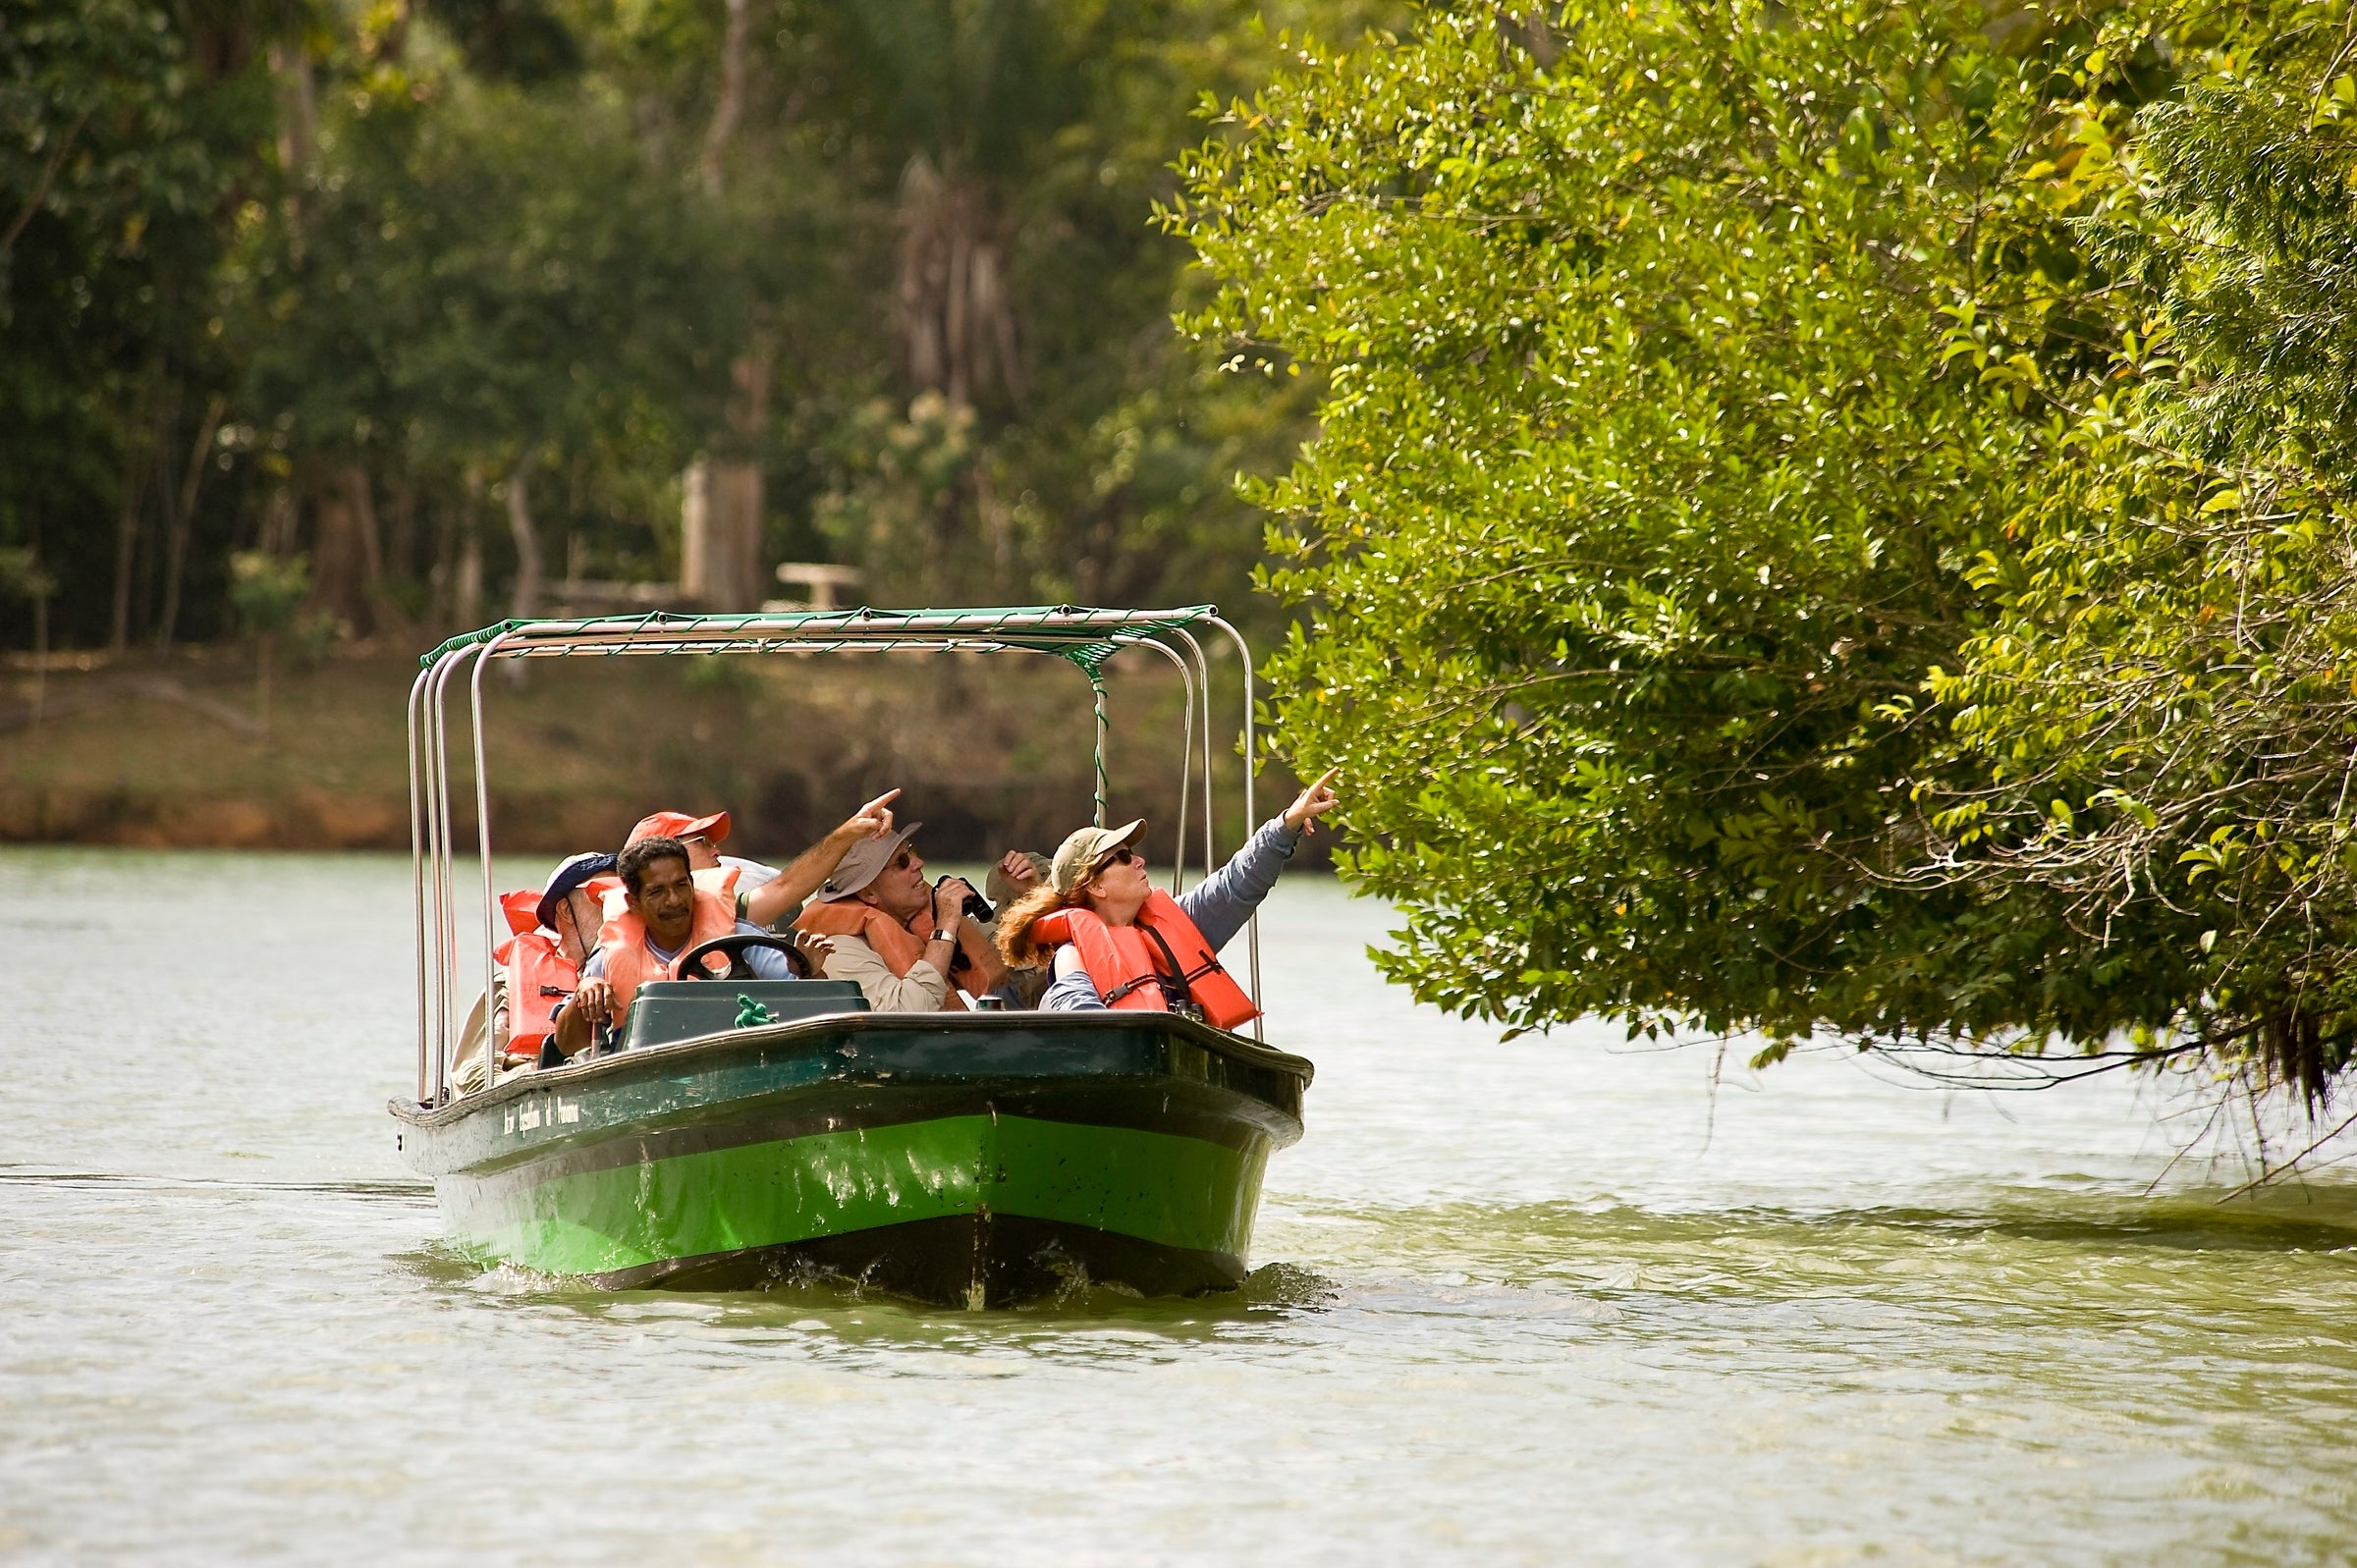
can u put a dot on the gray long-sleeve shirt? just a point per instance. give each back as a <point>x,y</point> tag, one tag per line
<point>1219,905</point>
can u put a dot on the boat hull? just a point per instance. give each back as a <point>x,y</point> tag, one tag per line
<point>975,1160</point>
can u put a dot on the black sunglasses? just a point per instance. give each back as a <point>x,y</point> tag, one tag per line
<point>1120,857</point>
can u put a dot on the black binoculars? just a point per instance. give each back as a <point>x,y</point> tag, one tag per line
<point>976,905</point>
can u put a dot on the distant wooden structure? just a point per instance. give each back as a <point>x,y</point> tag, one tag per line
<point>720,536</point>
<point>824,586</point>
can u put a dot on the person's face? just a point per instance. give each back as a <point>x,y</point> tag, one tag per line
<point>666,901</point>
<point>701,855</point>
<point>899,889</point>
<point>1121,878</point>
<point>578,923</point>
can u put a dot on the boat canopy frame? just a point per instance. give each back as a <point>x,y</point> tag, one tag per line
<point>1086,638</point>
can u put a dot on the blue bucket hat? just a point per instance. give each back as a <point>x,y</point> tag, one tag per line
<point>568,875</point>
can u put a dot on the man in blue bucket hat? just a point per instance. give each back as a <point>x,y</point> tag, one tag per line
<point>544,964</point>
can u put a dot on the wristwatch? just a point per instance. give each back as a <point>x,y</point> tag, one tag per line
<point>945,936</point>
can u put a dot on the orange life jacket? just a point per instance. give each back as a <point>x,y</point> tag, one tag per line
<point>899,946</point>
<point>521,909</point>
<point>1148,965</point>
<point>630,963</point>
<point>539,979</point>
<point>615,900</point>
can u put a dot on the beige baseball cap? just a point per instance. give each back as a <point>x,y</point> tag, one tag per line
<point>1078,854</point>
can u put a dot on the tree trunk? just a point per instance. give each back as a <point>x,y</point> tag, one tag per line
<point>182,518</point>
<point>264,648</point>
<point>720,535</point>
<point>297,106</point>
<point>729,107</point>
<point>469,594</point>
<point>442,575</point>
<point>400,530</point>
<point>346,561</point>
<point>40,648</point>
<point>136,470</point>
<point>951,313</point>
<point>526,603</point>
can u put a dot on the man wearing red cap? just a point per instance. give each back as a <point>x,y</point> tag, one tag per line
<point>766,896</point>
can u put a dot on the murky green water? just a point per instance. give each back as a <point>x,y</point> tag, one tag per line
<point>1528,1302</point>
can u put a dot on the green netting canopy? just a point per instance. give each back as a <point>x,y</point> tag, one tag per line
<point>1086,637</point>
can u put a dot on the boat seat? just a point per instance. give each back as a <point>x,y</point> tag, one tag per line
<point>665,1011</point>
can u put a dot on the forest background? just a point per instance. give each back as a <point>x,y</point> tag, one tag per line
<point>327,329</point>
<point>447,299</point>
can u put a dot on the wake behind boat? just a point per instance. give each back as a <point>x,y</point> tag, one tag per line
<point>743,1130</point>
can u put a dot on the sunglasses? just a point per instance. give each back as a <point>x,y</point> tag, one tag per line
<point>1120,857</point>
<point>904,859</point>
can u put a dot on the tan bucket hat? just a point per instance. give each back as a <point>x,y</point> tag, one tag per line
<point>863,862</point>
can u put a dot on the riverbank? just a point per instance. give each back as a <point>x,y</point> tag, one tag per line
<point>176,751</point>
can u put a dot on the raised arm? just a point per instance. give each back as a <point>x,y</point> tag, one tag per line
<point>785,893</point>
<point>1223,901</point>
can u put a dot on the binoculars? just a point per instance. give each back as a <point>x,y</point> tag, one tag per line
<point>976,905</point>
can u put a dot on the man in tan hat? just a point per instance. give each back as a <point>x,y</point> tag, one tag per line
<point>899,937</point>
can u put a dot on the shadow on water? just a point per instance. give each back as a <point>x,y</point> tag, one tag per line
<point>2319,1220</point>
<point>38,1179</point>
<point>823,1305</point>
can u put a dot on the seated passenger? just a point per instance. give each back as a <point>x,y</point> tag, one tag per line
<point>539,966</point>
<point>899,939</point>
<point>1018,872</point>
<point>1118,942</point>
<point>765,894</point>
<point>665,914</point>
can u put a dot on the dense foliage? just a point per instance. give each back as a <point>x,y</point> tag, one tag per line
<point>442,300</point>
<point>1826,515</point>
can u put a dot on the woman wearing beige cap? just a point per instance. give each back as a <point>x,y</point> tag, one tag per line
<point>1114,941</point>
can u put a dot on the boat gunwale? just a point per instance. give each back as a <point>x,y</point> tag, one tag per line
<point>614,1063</point>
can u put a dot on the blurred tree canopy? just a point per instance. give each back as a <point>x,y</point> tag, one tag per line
<point>1826,516</point>
<point>443,300</point>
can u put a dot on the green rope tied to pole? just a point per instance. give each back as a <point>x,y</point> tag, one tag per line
<point>750,1012</point>
<point>1091,657</point>
<point>1096,686</point>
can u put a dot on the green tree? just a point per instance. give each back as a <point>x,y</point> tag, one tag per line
<point>126,130</point>
<point>1642,503</point>
<point>2162,697</point>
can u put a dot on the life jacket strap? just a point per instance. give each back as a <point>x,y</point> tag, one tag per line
<point>1175,991</point>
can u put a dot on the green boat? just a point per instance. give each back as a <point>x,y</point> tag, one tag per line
<point>748,1131</point>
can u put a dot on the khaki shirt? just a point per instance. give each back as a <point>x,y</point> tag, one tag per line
<point>922,989</point>
<point>467,1056</point>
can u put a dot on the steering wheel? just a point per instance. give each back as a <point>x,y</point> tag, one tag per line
<point>732,947</point>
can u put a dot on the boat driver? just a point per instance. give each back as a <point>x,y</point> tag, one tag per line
<point>1118,941</point>
<point>766,896</point>
<point>665,913</point>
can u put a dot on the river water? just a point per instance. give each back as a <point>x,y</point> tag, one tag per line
<point>1549,1301</point>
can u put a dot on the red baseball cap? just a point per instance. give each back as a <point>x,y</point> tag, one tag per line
<point>680,824</point>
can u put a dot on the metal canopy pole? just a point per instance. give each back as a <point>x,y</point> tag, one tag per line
<point>1243,651</point>
<point>1203,670</point>
<point>1186,676</point>
<point>417,859</point>
<point>483,839</point>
